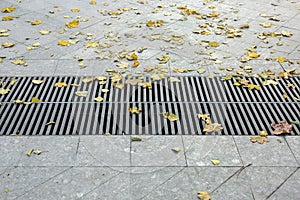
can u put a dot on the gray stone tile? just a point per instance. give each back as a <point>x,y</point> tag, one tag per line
<point>103,151</point>
<point>12,149</point>
<point>56,151</point>
<point>22,180</point>
<point>200,150</point>
<point>72,183</point>
<point>273,153</point>
<point>186,183</point>
<point>290,189</point>
<point>294,142</point>
<point>264,180</point>
<point>157,151</point>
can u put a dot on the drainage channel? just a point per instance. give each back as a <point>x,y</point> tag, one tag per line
<point>240,111</point>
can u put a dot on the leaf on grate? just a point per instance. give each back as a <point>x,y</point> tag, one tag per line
<point>295,122</point>
<point>135,110</point>
<point>173,79</point>
<point>82,93</point>
<point>170,116</point>
<point>49,123</point>
<point>98,99</point>
<point>281,128</point>
<point>204,195</point>
<point>60,84</point>
<point>4,91</point>
<point>35,100</point>
<point>37,82</point>
<point>215,127</point>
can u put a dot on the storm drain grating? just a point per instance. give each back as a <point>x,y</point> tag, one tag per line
<point>239,110</point>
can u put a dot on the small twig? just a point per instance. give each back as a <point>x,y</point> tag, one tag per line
<point>242,168</point>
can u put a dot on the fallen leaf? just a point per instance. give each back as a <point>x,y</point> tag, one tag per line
<point>98,99</point>
<point>281,128</point>
<point>18,101</point>
<point>49,123</point>
<point>4,91</point>
<point>8,9</point>
<point>135,63</point>
<point>37,152</point>
<point>135,110</point>
<point>13,81</point>
<point>7,190</point>
<point>253,54</point>
<point>136,139</point>
<point>60,84</point>
<point>204,195</point>
<point>81,93</point>
<point>45,32</point>
<point>119,85</point>
<point>92,2</point>
<point>35,100</point>
<point>72,24</point>
<point>104,90</point>
<point>281,59</point>
<point>75,10</point>
<point>170,116</point>
<point>285,95</point>
<point>133,56</point>
<point>37,82</point>
<point>29,152</point>
<point>295,122</point>
<point>176,149</point>
<point>215,162</point>
<point>215,127</point>
<point>64,43</point>
<point>173,79</point>
<point>259,139</point>
<point>87,80</point>
<point>8,44</point>
<point>7,18</point>
<point>213,44</point>
<point>201,70</point>
<point>123,65</point>
<point>36,22</point>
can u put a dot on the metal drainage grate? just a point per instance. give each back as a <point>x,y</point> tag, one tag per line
<point>240,111</point>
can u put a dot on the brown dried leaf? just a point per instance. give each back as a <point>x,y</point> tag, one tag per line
<point>281,128</point>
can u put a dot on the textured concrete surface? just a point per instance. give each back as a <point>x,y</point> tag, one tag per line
<point>158,167</point>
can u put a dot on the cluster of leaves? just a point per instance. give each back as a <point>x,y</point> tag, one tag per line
<point>263,137</point>
<point>209,126</point>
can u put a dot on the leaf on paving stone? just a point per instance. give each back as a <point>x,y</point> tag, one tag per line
<point>259,139</point>
<point>87,80</point>
<point>201,70</point>
<point>49,123</point>
<point>8,9</point>
<point>29,152</point>
<point>179,70</point>
<point>176,149</point>
<point>157,23</point>
<point>19,62</point>
<point>7,190</point>
<point>204,195</point>
<point>8,44</point>
<point>135,110</point>
<point>281,59</point>
<point>290,85</point>
<point>295,122</point>
<point>213,44</point>
<point>133,56</point>
<point>36,22</point>
<point>136,139</point>
<point>75,10</point>
<point>37,152</point>
<point>35,100</point>
<point>266,24</point>
<point>253,54</point>
<point>98,99</point>
<point>64,43</point>
<point>81,93</point>
<point>72,24</point>
<point>45,32</point>
<point>215,127</point>
<point>173,79</point>
<point>163,59</point>
<point>135,63</point>
<point>37,82</point>
<point>286,33</point>
<point>281,128</point>
<point>244,26</point>
<point>60,84</point>
<point>123,65</point>
<point>7,18</point>
<point>92,2</point>
<point>215,162</point>
<point>92,45</point>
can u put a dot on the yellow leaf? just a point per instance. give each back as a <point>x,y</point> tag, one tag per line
<point>119,85</point>
<point>266,24</point>
<point>163,59</point>
<point>36,22</point>
<point>72,24</point>
<point>37,82</point>
<point>7,18</point>
<point>215,127</point>
<point>29,152</point>
<point>285,95</point>
<point>82,93</point>
<point>60,84</point>
<point>92,2</point>
<point>172,117</point>
<point>204,195</point>
<point>133,56</point>
<point>45,32</point>
<point>8,9</point>
<point>8,44</point>
<point>104,90</point>
<point>19,62</point>
<point>18,101</point>
<point>4,91</point>
<point>135,63</point>
<point>87,80</point>
<point>173,79</point>
<point>101,78</point>
<point>135,110</point>
<point>215,162</point>
<point>7,190</point>
<point>64,43</point>
<point>123,65</point>
<point>213,44</point>
<point>281,59</point>
<point>286,33</point>
<point>49,123</point>
<point>263,133</point>
<point>35,100</point>
<point>75,10</point>
<point>259,139</point>
<point>98,99</point>
<point>116,78</point>
<point>253,54</point>
<point>92,44</point>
